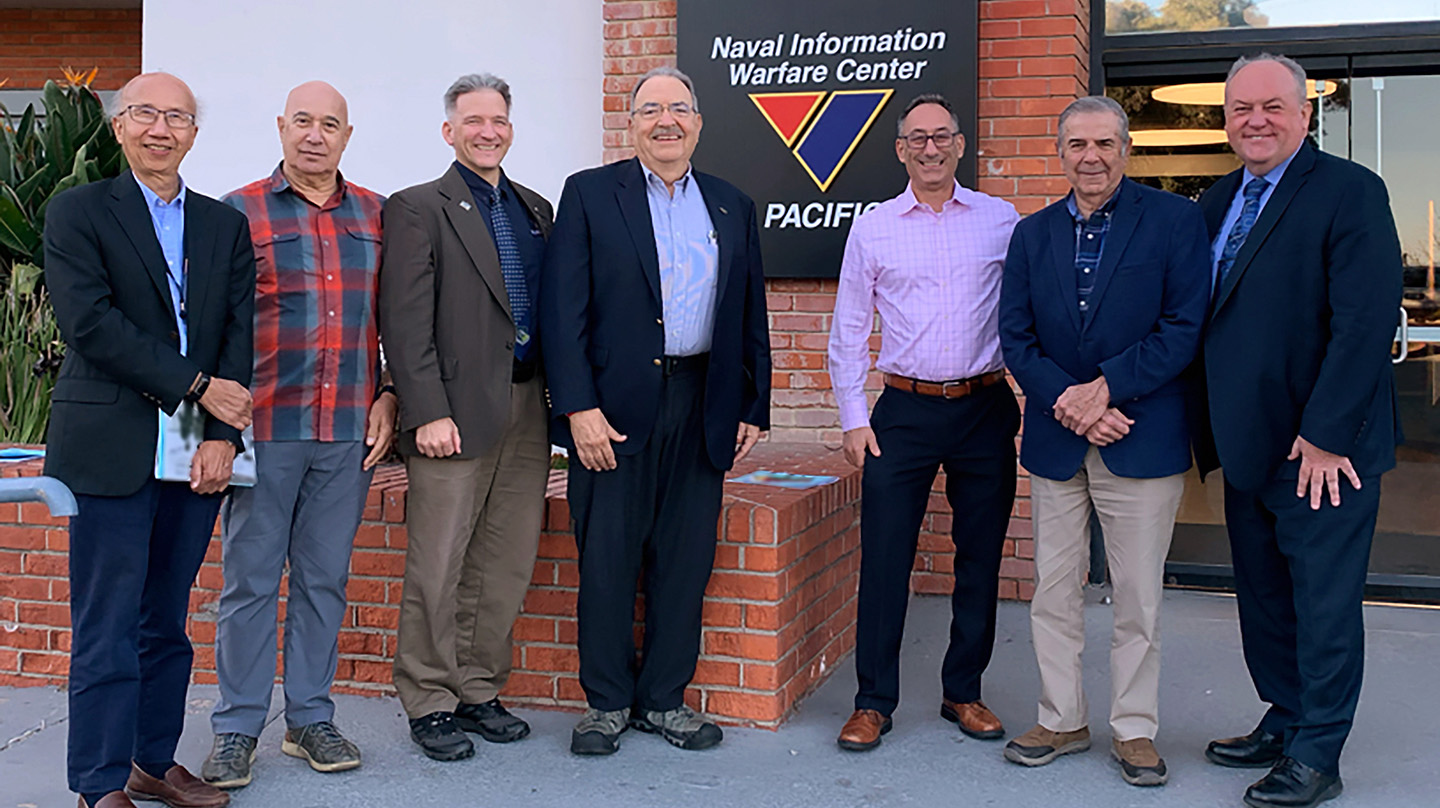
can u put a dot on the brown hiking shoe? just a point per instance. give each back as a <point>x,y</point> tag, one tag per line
<point>1140,764</point>
<point>1040,746</point>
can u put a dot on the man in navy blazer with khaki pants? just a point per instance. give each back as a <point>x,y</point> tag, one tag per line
<point>1100,314</point>
<point>657,354</point>
<point>1301,406</point>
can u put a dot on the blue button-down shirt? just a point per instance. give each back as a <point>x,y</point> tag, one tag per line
<point>1237,205</point>
<point>1089,246</point>
<point>169,221</point>
<point>689,253</point>
<point>528,240</point>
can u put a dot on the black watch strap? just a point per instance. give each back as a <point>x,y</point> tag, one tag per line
<point>389,388</point>
<point>200,388</point>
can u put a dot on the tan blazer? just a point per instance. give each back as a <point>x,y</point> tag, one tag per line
<point>444,314</point>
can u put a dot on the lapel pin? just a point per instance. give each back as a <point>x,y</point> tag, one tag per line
<point>723,210</point>
<point>464,204</point>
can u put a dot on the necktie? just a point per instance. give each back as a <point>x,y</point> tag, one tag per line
<point>1254,189</point>
<point>513,271</point>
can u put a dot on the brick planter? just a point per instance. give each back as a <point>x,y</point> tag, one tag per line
<point>779,612</point>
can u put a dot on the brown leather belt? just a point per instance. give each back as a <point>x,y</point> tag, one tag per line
<point>952,389</point>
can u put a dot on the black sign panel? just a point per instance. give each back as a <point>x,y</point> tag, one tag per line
<point>801,101</point>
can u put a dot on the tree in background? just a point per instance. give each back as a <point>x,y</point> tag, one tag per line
<point>1124,16</point>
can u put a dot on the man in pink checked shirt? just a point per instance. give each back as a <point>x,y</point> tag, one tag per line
<point>930,261</point>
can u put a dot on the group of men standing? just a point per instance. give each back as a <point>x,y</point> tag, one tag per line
<point>1141,327</point>
<point>630,327</point>
<point>641,312</point>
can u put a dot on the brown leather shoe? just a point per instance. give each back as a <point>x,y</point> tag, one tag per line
<point>179,789</point>
<point>862,732</point>
<point>115,799</point>
<point>974,718</point>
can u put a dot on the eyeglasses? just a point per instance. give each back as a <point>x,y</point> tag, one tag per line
<point>679,110</point>
<point>146,115</point>
<point>917,140</point>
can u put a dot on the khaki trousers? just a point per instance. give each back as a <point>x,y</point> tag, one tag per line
<point>1138,519</point>
<point>474,528</point>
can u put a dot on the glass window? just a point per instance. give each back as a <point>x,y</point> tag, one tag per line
<point>1149,16</point>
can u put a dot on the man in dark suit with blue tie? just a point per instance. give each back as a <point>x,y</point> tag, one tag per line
<point>1301,403</point>
<point>154,292</point>
<point>658,359</point>
<point>1104,295</point>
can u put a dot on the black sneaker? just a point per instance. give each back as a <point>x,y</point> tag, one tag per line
<point>322,746</point>
<point>598,732</point>
<point>491,721</point>
<point>228,764</point>
<point>440,738</point>
<point>682,727</point>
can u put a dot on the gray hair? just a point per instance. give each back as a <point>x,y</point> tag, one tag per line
<point>115,105</point>
<point>1094,103</point>
<point>474,82</point>
<point>673,73</point>
<point>921,100</point>
<point>1284,61</point>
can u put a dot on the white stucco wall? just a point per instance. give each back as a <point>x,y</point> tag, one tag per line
<point>393,60</point>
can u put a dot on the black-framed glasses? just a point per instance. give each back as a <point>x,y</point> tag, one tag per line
<point>680,110</point>
<point>146,115</point>
<point>917,140</point>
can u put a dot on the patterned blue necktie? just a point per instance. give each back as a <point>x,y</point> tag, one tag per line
<point>1254,189</point>
<point>513,270</point>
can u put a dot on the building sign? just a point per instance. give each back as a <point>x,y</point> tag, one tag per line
<point>801,102</point>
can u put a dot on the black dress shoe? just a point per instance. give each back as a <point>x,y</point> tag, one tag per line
<point>440,738</point>
<point>1257,750</point>
<point>1292,784</point>
<point>491,721</point>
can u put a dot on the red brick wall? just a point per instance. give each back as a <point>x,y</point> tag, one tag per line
<point>36,42</point>
<point>1034,59</point>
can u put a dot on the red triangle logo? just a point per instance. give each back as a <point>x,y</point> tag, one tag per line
<point>788,112</point>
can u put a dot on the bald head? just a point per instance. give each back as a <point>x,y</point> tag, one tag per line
<point>146,85</point>
<point>313,134</point>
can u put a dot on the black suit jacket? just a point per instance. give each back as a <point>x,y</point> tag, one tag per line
<point>106,276</point>
<point>601,311</point>
<point>1298,339</point>
<point>444,312</point>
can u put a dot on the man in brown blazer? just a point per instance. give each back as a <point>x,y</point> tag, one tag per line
<point>458,285</point>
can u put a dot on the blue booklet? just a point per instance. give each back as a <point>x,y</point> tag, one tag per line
<point>784,479</point>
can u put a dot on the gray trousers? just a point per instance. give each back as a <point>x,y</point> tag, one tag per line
<point>304,509</point>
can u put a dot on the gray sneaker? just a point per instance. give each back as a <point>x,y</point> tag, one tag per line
<point>228,764</point>
<point>598,733</point>
<point>322,745</point>
<point>681,726</point>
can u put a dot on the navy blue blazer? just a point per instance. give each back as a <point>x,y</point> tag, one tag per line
<point>1298,342</point>
<point>601,311</point>
<point>1146,311</point>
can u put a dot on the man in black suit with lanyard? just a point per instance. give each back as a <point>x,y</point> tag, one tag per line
<point>1301,417</point>
<point>657,351</point>
<point>154,292</point>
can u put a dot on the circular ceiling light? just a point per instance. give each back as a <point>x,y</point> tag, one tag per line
<point>1212,94</point>
<point>1177,137</point>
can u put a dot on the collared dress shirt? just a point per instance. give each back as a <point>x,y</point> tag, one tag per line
<point>169,221</point>
<point>528,239</point>
<point>317,341</point>
<point>1089,246</point>
<point>689,253</point>
<point>935,280</point>
<point>1237,205</point>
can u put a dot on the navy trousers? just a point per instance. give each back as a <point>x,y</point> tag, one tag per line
<point>132,561</point>
<point>973,439</point>
<point>1299,581</point>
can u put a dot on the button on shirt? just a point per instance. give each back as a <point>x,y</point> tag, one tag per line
<point>1237,205</point>
<point>935,280</point>
<point>689,254</point>
<point>317,342</point>
<point>169,221</point>
<point>528,240</point>
<point>1089,246</point>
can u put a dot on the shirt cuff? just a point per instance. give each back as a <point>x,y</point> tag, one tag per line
<point>854,414</point>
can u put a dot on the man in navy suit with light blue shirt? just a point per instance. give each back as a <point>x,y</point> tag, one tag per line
<point>1100,314</point>
<point>1298,408</point>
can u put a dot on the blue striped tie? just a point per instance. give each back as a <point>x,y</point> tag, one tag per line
<point>513,270</point>
<point>1254,189</point>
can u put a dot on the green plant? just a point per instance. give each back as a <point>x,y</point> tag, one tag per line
<point>40,156</point>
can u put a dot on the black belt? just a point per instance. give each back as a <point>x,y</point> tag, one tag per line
<point>524,371</point>
<point>670,365</point>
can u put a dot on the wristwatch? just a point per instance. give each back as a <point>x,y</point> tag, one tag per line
<point>199,389</point>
